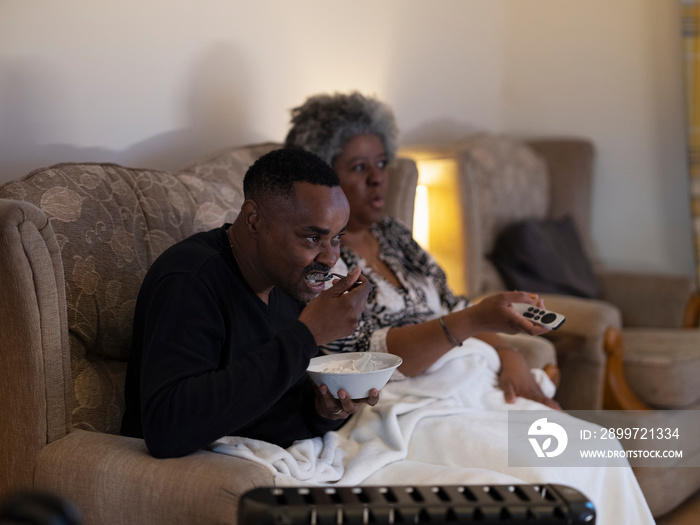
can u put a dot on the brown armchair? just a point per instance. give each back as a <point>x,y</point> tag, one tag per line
<point>503,181</point>
<point>629,348</point>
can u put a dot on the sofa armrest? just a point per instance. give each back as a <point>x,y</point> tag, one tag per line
<point>537,351</point>
<point>35,381</point>
<point>581,353</point>
<point>585,318</point>
<point>651,300</point>
<point>113,479</point>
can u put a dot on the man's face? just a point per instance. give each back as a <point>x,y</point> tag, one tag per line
<point>301,237</point>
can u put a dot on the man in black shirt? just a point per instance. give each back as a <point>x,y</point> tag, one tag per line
<point>227,320</point>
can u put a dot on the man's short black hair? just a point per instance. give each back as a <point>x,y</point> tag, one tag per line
<point>274,174</point>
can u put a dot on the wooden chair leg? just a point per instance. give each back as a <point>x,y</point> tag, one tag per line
<point>692,312</point>
<point>617,394</point>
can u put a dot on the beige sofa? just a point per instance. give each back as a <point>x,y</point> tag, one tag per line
<point>75,242</point>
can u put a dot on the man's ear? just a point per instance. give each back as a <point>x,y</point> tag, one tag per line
<point>250,213</point>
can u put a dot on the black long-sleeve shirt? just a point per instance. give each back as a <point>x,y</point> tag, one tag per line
<point>209,358</point>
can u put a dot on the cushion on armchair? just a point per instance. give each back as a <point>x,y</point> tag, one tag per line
<point>544,256</point>
<point>111,223</point>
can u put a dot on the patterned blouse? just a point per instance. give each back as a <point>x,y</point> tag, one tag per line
<point>424,296</point>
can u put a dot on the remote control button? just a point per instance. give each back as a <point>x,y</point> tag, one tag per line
<point>549,318</point>
<point>528,315</point>
<point>537,318</point>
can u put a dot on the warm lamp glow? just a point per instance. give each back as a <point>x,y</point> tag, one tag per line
<point>437,216</point>
<point>421,217</point>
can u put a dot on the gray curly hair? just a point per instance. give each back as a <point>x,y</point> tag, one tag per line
<point>325,123</point>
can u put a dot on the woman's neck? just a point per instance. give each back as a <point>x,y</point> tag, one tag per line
<point>361,242</point>
<point>366,245</point>
<point>354,237</point>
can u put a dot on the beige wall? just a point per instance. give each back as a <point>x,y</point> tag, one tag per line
<point>162,82</point>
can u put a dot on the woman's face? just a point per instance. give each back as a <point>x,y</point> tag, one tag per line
<point>362,169</point>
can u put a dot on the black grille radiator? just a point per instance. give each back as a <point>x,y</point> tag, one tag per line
<point>398,505</point>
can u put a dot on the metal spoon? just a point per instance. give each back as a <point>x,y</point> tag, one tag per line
<point>329,277</point>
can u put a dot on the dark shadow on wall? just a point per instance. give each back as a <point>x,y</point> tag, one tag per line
<point>32,95</point>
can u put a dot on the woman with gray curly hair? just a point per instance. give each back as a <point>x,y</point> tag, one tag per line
<point>411,311</point>
<point>325,123</point>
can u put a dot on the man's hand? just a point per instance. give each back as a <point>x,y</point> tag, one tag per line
<point>335,312</point>
<point>516,379</point>
<point>343,407</point>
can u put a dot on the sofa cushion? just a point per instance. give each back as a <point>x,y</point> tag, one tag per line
<point>662,365</point>
<point>545,256</point>
<point>229,165</point>
<point>111,222</point>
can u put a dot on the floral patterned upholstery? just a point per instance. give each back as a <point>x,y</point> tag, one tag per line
<point>507,182</point>
<point>111,222</point>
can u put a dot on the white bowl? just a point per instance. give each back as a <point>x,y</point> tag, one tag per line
<point>356,384</point>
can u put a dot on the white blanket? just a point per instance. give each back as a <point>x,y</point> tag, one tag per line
<point>446,426</point>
